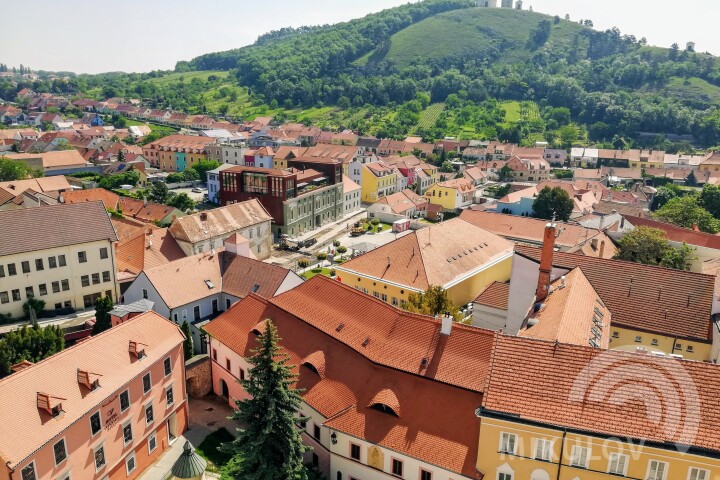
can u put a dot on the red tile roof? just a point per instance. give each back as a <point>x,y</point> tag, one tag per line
<point>607,392</point>
<point>109,199</point>
<point>678,234</point>
<point>643,297</point>
<point>495,295</point>
<point>381,355</point>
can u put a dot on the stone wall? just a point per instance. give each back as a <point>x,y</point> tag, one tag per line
<point>198,375</point>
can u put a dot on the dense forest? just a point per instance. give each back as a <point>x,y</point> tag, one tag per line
<point>443,67</point>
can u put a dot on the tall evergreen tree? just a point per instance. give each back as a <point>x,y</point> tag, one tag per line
<point>270,447</point>
<point>188,343</point>
<point>103,306</point>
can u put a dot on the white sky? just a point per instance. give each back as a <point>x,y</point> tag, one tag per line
<point>140,35</point>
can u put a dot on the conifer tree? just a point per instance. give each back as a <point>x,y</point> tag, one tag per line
<point>188,343</point>
<point>269,447</point>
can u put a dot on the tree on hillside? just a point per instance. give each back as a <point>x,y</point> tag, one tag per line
<point>29,343</point>
<point>103,306</point>
<point>158,192</point>
<point>434,301</point>
<point>188,342</point>
<point>553,203</point>
<point>269,447</point>
<point>204,166</point>
<point>685,212</point>
<point>568,135</point>
<point>540,35</point>
<point>12,170</point>
<point>181,201</point>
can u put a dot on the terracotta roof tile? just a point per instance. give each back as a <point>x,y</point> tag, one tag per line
<point>151,247</point>
<point>107,353</point>
<point>220,221</point>
<point>684,299</point>
<point>438,255</point>
<point>495,295</point>
<point>146,211</point>
<point>109,199</point>
<point>678,234</point>
<point>608,392</point>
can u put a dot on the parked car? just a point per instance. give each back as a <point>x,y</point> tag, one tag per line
<point>196,190</point>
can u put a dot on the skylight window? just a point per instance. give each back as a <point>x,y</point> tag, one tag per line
<point>256,287</point>
<point>209,284</point>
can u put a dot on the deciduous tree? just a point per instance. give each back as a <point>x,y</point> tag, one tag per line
<point>685,212</point>
<point>553,203</point>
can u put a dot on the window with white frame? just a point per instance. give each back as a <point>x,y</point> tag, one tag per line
<point>167,365</point>
<point>28,473</point>
<point>579,456</point>
<point>169,396</point>
<point>130,463</point>
<point>60,452</point>
<point>508,442</point>
<point>127,433</point>
<point>504,476</point>
<point>149,414</point>
<point>657,470</point>
<point>617,464</point>
<point>124,400</point>
<point>147,383</point>
<point>95,424</point>
<point>99,458</point>
<point>543,449</point>
<point>152,443</point>
<point>698,474</point>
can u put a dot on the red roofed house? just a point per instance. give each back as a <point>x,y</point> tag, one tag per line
<point>107,407</point>
<point>387,393</point>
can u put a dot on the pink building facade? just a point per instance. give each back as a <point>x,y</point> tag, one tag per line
<point>105,408</point>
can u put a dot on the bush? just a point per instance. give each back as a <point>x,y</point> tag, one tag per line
<point>303,263</point>
<point>321,256</point>
<point>336,243</point>
<point>375,222</point>
<point>35,304</point>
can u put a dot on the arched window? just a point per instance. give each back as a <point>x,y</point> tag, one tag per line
<point>387,402</point>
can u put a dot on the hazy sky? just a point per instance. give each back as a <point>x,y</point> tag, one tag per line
<point>140,35</point>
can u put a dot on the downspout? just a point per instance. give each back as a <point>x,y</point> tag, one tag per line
<point>562,451</point>
<point>674,344</point>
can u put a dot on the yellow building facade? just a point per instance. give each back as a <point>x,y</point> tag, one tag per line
<point>629,340</point>
<point>512,450</point>
<point>376,186</point>
<point>461,291</point>
<point>444,196</point>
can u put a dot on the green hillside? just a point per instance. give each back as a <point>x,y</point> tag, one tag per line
<point>471,33</point>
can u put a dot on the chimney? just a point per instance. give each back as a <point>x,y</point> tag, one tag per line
<point>602,249</point>
<point>446,325</point>
<point>546,261</point>
<point>695,227</point>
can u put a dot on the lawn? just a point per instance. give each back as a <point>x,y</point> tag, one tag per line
<point>316,271</point>
<point>161,129</point>
<point>187,77</point>
<point>208,449</point>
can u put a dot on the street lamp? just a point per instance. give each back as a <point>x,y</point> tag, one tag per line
<point>333,438</point>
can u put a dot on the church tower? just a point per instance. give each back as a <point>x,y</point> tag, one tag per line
<point>487,3</point>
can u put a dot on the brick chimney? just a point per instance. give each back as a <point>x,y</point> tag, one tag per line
<point>695,227</point>
<point>546,263</point>
<point>602,249</point>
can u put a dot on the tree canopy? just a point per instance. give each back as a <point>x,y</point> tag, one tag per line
<point>434,301</point>
<point>13,170</point>
<point>103,306</point>
<point>269,447</point>
<point>686,212</point>
<point>553,203</point>
<point>29,343</point>
<point>650,246</point>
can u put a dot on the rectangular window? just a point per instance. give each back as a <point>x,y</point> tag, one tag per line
<point>215,354</point>
<point>52,262</point>
<point>39,264</point>
<point>127,433</point>
<point>227,365</point>
<point>60,452</point>
<point>395,301</point>
<point>505,476</point>
<point>29,292</point>
<point>383,297</point>
<point>397,467</point>
<point>28,473</point>
<point>16,295</point>
<point>4,297</point>
<point>85,281</point>
<point>55,287</point>
<point>87,301</point>
<point>355,452</point>
<point>25,266</point>
<point>106,276</point>
<point>242,374</point>
<point>65,285</point>
<point>579,457</point>
<point>146,383</point>
<point>82,257</point>
<point>699,474</point>
<point>103,253</point>
<point>618,464</point>
<point>99,458</point>
<point>657,470</point>
<point>144,293</point>
<point>167,366</point>
<point>43,289</point>
<point>149,414</point>
<point>11,269</point>
<point>507,443</point>
<point>95,278</point>
<point>130,463</point>
<point>425,475</point>
<point>124,400</point>
<point>61,260</point>
<point>2,271</point>
<point>543,449</point>
<point>169,396</point>
<point>152,443</point>
<point>316,432</point>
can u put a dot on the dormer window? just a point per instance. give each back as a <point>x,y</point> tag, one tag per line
<point>137,349</point>
<point>52,405</point>
<point>90,380</point>
<point>387,402</point>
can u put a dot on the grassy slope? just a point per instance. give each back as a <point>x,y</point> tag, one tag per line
<point>472,33</point>
<point>694,90</point>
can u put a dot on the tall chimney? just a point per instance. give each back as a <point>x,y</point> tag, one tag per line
<point>546,263</point>
<point>446,325</point>
<point>602,249</point>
